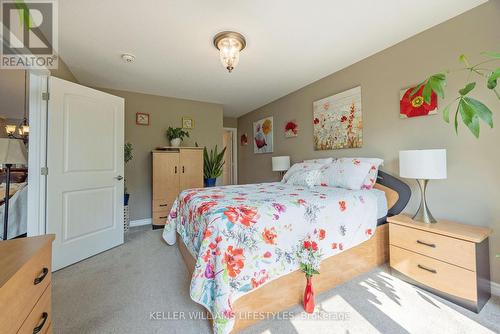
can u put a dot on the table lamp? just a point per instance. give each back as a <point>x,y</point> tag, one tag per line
<point>423,165</point>
<point>281,164</point>
<point>12,152</point>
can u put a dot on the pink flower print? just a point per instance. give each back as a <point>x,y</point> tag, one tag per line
<point>276,217</point>
<point>209,271</point>
<point>279,207</point>
<point>342,206</point>
<point>267,255</point>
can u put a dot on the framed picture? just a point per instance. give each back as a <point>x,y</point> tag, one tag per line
<point>141,118</point>
<point>414,105</point>
<point>187,123</point>
<point>263,135</point>
<point>244,140</point>
<point>291,129</point>
<point>337,121</point>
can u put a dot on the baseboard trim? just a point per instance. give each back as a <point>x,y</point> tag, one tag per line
<point>495,289</point>
<point>140,222</point>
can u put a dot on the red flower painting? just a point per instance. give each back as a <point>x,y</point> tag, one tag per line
<point>414,105</point>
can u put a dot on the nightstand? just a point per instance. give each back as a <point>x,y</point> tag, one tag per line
<point>448,259</point>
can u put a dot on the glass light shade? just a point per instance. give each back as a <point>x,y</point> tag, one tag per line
<point>24,130</point>
<point>229,52</point>
<point>10,129</point>
<point>423,164</point>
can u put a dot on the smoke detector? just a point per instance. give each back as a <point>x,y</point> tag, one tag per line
<point>128,58</point>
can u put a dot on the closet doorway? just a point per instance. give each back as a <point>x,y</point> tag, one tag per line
<point>230,170</point>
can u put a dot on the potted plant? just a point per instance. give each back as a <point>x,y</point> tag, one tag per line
<point>212,165</point>
<point>176,135</point>
<point>127,156</point>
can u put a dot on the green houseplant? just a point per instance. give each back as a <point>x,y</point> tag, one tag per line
<point>212,165</point>
<point>127,156</point>
<point>470,110</point>
<point>176,136</point>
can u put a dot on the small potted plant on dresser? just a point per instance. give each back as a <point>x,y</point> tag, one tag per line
<point>127,156</point>
<point>212,165</point>
<point>176,136</point>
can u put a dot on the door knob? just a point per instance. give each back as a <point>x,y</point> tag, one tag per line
<point>119,177</point>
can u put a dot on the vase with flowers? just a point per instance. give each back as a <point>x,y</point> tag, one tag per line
<point>309,256</point>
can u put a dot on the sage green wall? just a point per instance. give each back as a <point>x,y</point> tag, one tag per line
<point>164,112</point>
<point>471,194</point>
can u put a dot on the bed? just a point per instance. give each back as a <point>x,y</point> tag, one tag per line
<point>240,267</point>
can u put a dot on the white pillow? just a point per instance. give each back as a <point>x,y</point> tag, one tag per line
<point>300,167</point>
<point>308,179</point>
<point>371,178</point>
<point>320,161</point>
<point>348,173</point>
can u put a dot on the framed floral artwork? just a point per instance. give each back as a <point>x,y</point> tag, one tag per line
<point>263,135</point>
<point>244,140</point>
<point>187,123</point>
<point>337,121</point>
<point>291,129</point>
<point>414,105</point>
<point>141,118</point>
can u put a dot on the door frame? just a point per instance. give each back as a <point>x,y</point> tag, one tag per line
<point>235,153</point>
<point>37,155</point>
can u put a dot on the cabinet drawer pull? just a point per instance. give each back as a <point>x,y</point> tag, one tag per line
<point>428,269</point>
<point>426,244</point>
<point>175,170</point>
<point>166,204</point>
<point>40,278</point>
<point>182,169</point>
<point>38,328</point>
<point>164,217</point>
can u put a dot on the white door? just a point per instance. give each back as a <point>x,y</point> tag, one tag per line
<point>85,168</point>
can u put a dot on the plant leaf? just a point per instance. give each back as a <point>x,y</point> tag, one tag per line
<point>466,90</point>
<point>480,110</point>
<point>446,113</point>
<point>416,88</point>
<point>492,79</point>
<point>426,93</point>
<point>469,117</point>
<point>491,54</point>
<point>463,59</point>
<point>437,86</point>
<point>456,117</point>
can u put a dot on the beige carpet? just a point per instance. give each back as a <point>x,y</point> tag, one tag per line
<point>116,292</point>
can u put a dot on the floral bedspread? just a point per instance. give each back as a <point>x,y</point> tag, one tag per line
<point>245,236</point>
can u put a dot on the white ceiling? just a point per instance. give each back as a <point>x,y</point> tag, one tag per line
<point>290,43</point>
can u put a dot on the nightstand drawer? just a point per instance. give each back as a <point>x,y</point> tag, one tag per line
<point>454,251</point>
<point>40,317</point>
<point>162,204</point>
<point>449,279</point>
<point>160,217</point>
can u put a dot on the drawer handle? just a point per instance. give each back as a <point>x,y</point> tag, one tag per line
<point>166,204</point>
<point>175,170</point>
<point>428,269</point>
<point>182,169</point>
<point>426,244</point>
<point>164,217</point>
<point>38,328</point>
<point>40,278</point>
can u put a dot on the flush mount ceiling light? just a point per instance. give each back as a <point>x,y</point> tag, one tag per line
<point>128,58</point>
<point>229,44</point>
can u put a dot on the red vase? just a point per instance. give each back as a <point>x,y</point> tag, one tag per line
<point>309,296</point>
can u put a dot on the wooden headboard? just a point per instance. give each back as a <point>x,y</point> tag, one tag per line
<point>396,191</point>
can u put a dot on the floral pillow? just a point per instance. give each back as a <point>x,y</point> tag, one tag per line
<point>348,173</point>
<point>309,178</point>
<point>371,178</point>
<point>300,167</point>
<point>320,161</point>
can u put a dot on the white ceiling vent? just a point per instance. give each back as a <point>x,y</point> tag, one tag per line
<point>128,58</point>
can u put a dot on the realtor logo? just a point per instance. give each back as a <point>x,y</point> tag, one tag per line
<point>29,34</point>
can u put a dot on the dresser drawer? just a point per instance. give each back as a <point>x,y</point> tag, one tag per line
<point>160,217</point>
<point>454,251</point>
<point>162,204</point>
<point>24,289</point>
<point>447,278</point>
<point>40,316</point>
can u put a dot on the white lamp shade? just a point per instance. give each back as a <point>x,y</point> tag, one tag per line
<point>423,164</point>
<point>12,151</point>
<point>281,164</point>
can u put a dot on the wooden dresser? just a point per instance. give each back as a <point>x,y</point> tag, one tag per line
<point>174,170</point>
<point>445,258</point>
<point>25,285</point>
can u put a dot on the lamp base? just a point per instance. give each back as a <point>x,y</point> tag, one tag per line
<point>423,214</point>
